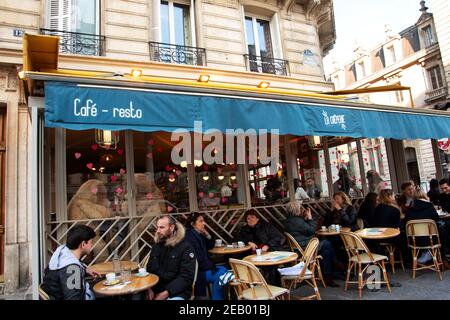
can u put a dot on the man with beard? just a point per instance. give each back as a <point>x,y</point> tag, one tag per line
<point>172,259</point>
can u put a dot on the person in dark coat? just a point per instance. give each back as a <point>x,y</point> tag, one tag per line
<point>405,200</point>
<point>65,276</point>
<point>172,259</point>
<point>343,184</point>
<point>434,192</point>
<point>301,225</point>
<point>387,213</point>
<point>201,241</point>
<point>343,213</point>
<point>366,211</point>
<point>444,198</point>
<point>422,208</point>
<point>260,234</point>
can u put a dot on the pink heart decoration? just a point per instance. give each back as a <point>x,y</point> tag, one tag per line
<point>120,152</point>
<point>90,166</point>
<point>205,167</point>
<point>151,142</point>
<point>122,172</point>
<point>178,172</point>
<point>168,168</point>
<point>385,183</point>
<point>94,190</point>
<point>169,209</point>
<point>94,147</point>
<point>77,155</point>
<point>171,176</point>
<point>149,196</point>
<point>119,190</point>
<point>159,149</point>
<point>113,179</point>
<point>149,155</point>
<point>257,188</point>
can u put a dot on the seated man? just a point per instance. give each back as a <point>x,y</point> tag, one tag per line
<point>260,234</point>
<point>172,259</point>
<point>407,197</point>
<point>65,276</point>
<point>444,197</point>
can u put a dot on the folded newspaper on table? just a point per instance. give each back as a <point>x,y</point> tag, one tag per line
<point>294,271</point>
<point>273,256</point>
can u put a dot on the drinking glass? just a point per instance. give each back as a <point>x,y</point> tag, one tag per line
<point>126,275</point>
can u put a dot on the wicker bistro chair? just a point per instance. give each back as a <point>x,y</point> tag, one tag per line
<point>358,255</point>
<point>295,246</point>
<point>307,273</point>
<point>42,294</point>
<point>391,248</point>
<point>252,285</point>
<point>144,261</point>
<point>426,229</point>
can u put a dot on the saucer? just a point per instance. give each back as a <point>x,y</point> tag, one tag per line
<point>141,275</point>
<point>111,283</point>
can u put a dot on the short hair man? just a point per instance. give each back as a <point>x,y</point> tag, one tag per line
<point>406,199</point>
<point>444,197</point>
<point>65,276</point>
<point>172,259</point>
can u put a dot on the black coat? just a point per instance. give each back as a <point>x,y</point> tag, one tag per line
<point>201,245</point>
<point>175,267</point>
<point>386,216</point>
<point>434,196</point>
<point>367,212</point>
<point>421,210</point>
<point>302,230</point>
<point>444,201</point>
<point>263,233</point>
<point>56,282</point>
<point>345,217</point>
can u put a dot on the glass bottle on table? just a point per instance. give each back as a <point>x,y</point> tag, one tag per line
<point>117,269</point>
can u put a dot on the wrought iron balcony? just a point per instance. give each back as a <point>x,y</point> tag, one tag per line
<point>267,65</point>
<point>164,52</point>
<point>78,43</point>
<point>436,94</point>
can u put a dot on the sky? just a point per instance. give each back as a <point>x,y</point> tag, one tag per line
<point>364,21</point>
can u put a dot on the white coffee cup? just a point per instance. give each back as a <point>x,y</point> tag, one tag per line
<point>338,228</point>
<point>142,271</point>
<point>258,252</point>
<point>110,277</point>
<point>218,243</point>
<point>241,244</point>
<point>324,228</point>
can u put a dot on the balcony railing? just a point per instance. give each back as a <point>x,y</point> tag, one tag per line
<point>267,65</point>
<point>436,94</point>
<point>78,43</point>
<point>169,53</point>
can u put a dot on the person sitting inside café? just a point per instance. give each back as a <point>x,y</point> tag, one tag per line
<point>201,241</point>
<point>210,201</point>
<point>422,208</point>
<point>172,259</point>
<point>65,276</point>
<point>444,198</point>
<point>260,234</point>
<point>301,225</point>
<point>343,213</point>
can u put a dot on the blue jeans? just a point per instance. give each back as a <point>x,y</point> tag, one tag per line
<point>326,250</point>
<point>214,278</point>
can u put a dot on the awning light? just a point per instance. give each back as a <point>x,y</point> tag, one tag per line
<point>204,78</point>
<point>263,84</point>
<point>137,73</point>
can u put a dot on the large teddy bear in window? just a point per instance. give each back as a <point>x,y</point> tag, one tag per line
<point>91,202</point>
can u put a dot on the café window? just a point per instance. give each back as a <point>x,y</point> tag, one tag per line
<point>376,166</point>
<point>175,23</point>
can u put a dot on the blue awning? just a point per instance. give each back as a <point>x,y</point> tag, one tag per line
<point>80,107</point>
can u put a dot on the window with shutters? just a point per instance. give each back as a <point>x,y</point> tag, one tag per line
<point>77,23</point>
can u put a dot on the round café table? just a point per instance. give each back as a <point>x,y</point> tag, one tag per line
<point>136,285</point>
<point>272,258</point>
<point>328,233</point>
<point>381,234</point>
<point>226,250</point>
<point>378,233</point>
<point>107,267</point>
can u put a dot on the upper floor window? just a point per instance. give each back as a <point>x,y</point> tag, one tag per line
<point>428,37</point>
<point>399,94</point>
<point>80,16</point>
<point>176,23</point>
<point>391,54</point>
<point>361,70</point>
<point>435,77</point>
<point>259,41</point>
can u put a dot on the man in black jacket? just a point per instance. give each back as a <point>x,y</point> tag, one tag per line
<point>444,198</point>
<point>64,278</point>
<point>172,259</point>
<point>259,233</point>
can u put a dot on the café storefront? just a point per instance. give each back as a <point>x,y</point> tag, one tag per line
<point>103,155</point>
